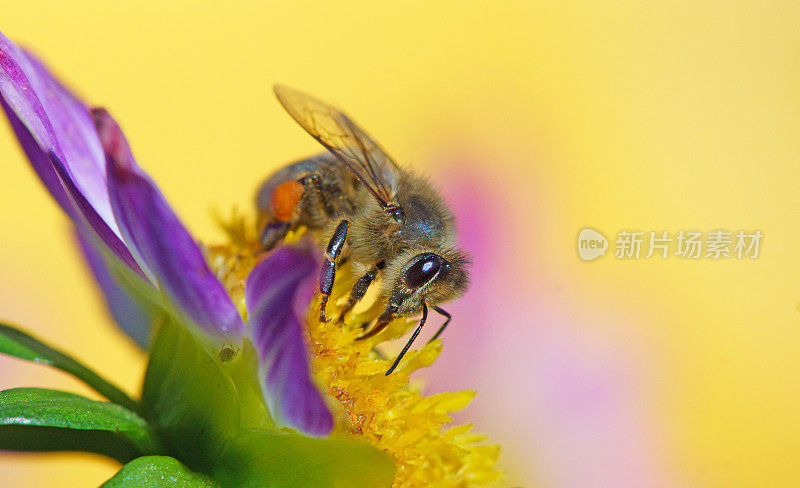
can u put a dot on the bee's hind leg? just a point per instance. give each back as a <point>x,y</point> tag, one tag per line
<point>360,289</point>
<point>285,203</point>
<point>273,233</point>
<point>328,273</point>
<point>312,182</point>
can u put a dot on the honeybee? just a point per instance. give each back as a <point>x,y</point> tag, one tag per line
<point>359,205</point>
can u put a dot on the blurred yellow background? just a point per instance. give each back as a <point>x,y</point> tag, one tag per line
<point>615,115</point>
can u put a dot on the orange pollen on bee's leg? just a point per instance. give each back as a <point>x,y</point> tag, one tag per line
<point>284,199</point>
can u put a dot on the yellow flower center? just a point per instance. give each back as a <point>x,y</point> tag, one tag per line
<point>388,411</point>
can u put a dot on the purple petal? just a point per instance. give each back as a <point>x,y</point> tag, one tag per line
<point>278,335</point>
<point>134,313</point>
<point>58,135</point>
<point>40,162</point>
<point>163,244</point>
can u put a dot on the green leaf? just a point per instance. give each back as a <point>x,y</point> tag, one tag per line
<point>35,408</point>
<point>14,342</point>
<point>158,472</point>
<point>277,459</point>
<point>188,398</point>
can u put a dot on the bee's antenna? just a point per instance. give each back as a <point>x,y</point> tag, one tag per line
<point>411,340</point>
<point>444,325</point>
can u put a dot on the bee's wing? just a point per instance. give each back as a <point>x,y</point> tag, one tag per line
<point>346,140</point>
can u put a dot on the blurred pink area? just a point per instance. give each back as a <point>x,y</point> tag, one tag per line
<point>561,399</point>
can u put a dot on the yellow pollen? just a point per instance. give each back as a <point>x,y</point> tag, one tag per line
<point>388,411</point>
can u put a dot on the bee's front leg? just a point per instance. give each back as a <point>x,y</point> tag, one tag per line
<point>360,288</point>
<point>328,273</point>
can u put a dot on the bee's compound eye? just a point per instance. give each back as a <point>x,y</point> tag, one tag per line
<point>424,270</point>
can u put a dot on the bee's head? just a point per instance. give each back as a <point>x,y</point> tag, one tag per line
<point>431,277</point>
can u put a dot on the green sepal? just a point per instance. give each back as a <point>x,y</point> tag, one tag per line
<point>158,472</point>
<point>188,398</point>
<point>210,413</point>
<point>243,371</point>
<point>283,459</point>
<point>17,343</point>
<point>38,419</point>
